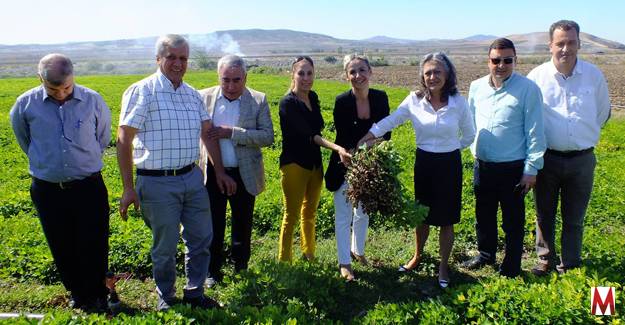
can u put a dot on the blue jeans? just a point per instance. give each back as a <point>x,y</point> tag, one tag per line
<point>167,202</point>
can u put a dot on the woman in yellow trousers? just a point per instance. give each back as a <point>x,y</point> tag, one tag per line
<point>300,161</point>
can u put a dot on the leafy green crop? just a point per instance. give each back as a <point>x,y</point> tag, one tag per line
<point>373,182</point>
<point>314,293</point>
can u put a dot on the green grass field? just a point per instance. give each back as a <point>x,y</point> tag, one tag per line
<point>312,293</point>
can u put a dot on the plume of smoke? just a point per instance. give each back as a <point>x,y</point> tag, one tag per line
<point>214,43</point>
<point>535,44</point>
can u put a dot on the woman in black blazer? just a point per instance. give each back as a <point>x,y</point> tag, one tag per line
<point>355,111</point>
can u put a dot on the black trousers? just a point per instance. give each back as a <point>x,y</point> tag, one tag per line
<point>242,209</point>
<point>75,221</point>
<point>493,184</point>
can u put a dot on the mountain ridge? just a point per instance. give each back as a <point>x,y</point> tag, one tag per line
<point>282,42</point>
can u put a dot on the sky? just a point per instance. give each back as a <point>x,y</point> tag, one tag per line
<point>61,21</point>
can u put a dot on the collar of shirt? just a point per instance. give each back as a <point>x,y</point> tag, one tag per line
<point>76,94</point>
<point>425,103</point>
<point>576,70</point>
<point>226,112</point>
<point>505,82</point>
<point>312,97</point>
<point>220,96</point>
<point>165,84</point>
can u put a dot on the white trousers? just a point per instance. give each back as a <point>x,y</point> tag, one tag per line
<point>346,216</point>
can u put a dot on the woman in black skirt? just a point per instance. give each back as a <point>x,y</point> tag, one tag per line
<point>443,126</point>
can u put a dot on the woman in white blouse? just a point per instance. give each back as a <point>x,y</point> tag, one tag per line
<point>443,125</point>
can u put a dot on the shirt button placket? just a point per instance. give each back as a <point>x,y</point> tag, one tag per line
<point>568,105</point>
<point>436,115</point>
<point>493,112</point>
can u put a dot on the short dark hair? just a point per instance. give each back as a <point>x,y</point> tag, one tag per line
<point>563,25</point>
<point>450,87</point>
<point>502,44</point>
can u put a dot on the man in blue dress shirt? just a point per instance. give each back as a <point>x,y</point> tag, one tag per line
<point>64,128</point>
<point>508,152</point>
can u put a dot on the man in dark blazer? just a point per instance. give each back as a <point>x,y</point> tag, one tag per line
<point>242,126</point>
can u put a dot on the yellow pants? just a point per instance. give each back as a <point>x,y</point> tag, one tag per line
<point>301,189</point>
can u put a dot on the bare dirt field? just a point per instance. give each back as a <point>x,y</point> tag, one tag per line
<point>402,71</point>
<point>470,68</point>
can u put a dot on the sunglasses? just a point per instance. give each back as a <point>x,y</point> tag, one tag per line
<point>506,60</point>
<point>301,58</point>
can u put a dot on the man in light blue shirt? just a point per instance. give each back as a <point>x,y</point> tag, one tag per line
<point>64,128</point>
<point>508,150</point>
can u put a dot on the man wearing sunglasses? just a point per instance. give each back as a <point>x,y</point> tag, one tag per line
<point>64,128</point>
<point>576,104</point>
<point>508,152</point>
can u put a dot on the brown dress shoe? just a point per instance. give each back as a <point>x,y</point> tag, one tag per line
<point>359,258</point>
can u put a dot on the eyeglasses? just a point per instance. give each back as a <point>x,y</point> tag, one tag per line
<point>506,60</point>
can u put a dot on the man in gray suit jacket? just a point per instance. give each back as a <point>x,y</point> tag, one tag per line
<point>242,125</point>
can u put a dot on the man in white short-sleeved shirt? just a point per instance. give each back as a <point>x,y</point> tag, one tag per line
<point>576,104</point>
<point>160,125</point>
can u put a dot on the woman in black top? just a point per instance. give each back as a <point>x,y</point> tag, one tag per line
<point>300,161</point>
<point>354,113</point>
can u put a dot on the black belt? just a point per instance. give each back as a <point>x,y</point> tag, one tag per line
<point>569,154</point>
<point>68,184</point>
<point>505,164</point>
<point>165,172</point>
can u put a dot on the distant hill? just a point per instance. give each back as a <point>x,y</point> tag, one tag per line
<point>386,39</point>
<point>284,42</point>
<point>480,37</point>
<point>538,42</point>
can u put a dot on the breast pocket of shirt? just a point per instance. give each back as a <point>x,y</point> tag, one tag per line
<point>192,118</point>
<point>585,97</point>
<point>81,130</point>
<point>509,111</point>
